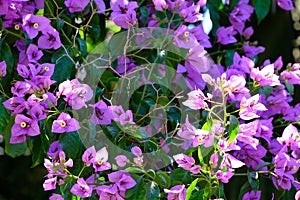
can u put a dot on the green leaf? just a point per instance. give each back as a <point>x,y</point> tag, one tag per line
<point>152,191</point>
<point>289,87</point>
<point>4,117</point>
<point>138,192</point>
<point>245,188</point>
<point>37,151</point>
<point>253,180</point>
<point>206,126</point>
<point>64,67</point>
<point>134,170</point>
<point>163,179</point>
<point>13,150</point>
<point>261,8</point>
<point>267,90</point>
<point>110,25</point>
<point>229,57</point>
<point>233,128</point>
<point>233,3</point>
<point>180,176</point>
<point>71,144</point>
<point>40,12</point>
<point>144,13</point>
<point>214,6</point>
<point>190,189</point>
<point>262,165</point>
<point>6,54</point>
<point>197,195</point>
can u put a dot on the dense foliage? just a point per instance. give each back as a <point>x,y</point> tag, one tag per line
<point>160,99</point>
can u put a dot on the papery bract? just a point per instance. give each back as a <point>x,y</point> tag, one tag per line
<point>176,192</point>
<point>76,6</point>
<point>65,123</point>
<point>32,24</point>
<point>249,107</point>
<point>2,69</point>
<point>82,189</point>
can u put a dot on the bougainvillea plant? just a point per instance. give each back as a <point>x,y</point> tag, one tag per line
<point>161,99</point>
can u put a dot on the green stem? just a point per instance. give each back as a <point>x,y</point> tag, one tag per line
<point>14,34</point>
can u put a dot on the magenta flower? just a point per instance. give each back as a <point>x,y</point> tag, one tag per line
<point>290,136</point>
<point>184,161</point>
<point>101,6</point>
<point>249,107</point>
<point>65,123</point>
<point>230,162</point>
<point>4,7</point>
<point>139,155</point>
<point>15,104</point>
<point>195,169</point>
<point>201,36</point>
<point>252,195</point>
<point>197,60</point>
<point>37,112</point>
<point>226,35</point>
<point>76,94</point>
<point>292,75</point>
<point>285,4</point>
<point>248,32</point>
<point>292,114</point>
<point>266,76</point>
<point>243,65</point>
<point>250,156</point>
<point>126,118</point>
<point>82,189</point>
<point>24,126</point>
<point>160,5</point>
<point>213,161</point>
<point>23,70</point>
<point>33,53</point>
<point>121,160</point>
<point>191,14</point>
<point>239,15</point>
<point>203,137</point>
<point>100,161</point>
<point>102,113</point>
<point>183,38</point>
<point>265,129</point>
<point>20,88</point>
<point>246,133</point>
<point>32,24</point>
<point>2,69</point>
<point>123,13</point>
<point>125,64</point>
<point>136,151</point>
<point>251,51</point>
<point>196,100</point>
<point>54,150</point>
<point>45,69</point>
<point>89,155</point>
<point>117,111</point>
<point>108,192</point>
<point>50,39</point>
<point>187,131</point>
<point>50,184</point>
<point>122,179</point>
<point>177,192</point>
<point>76,6</point>
<point>224,176</point>
<point>56,197</point>
<point>236,88</point>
